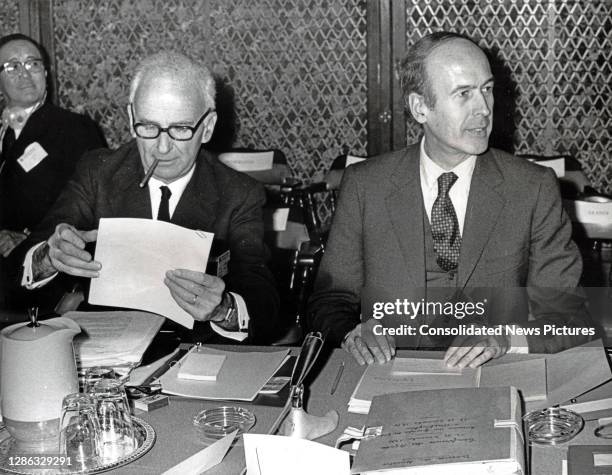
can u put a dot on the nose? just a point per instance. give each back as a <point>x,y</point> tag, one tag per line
<point>484,103</point>
<point>164,143</point>
<point>22,71</point>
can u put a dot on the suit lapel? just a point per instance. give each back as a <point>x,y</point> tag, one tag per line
<point>133,201</point>
<point>405,208</point>
<point>485,203</point>
<point>197,207</point>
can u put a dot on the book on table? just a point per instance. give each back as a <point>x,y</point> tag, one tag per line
<point>465,431</point>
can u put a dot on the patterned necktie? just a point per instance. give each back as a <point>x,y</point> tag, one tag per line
<point>445,226</point>
<point>163,213</point>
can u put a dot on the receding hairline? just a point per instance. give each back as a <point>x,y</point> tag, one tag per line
<point>176,67</point>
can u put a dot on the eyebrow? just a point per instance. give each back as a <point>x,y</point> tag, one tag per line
<point>463,87</point>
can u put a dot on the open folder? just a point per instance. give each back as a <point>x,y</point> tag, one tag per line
<point>241,377</point>
<point>473,431</point>
<point>414,374</point>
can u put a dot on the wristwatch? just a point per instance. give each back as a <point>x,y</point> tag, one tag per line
<point>232,309</point>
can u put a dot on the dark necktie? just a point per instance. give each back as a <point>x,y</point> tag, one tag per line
<point>8,140</point>
<point>445,226</point>
<point>163,213</point>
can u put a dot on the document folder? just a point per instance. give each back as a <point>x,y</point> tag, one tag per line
<point>460,431</point>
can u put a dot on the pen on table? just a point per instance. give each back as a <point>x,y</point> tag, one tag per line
<point>149,173</point>
<point>337,380</point>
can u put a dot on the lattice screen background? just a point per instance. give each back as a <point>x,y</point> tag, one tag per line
<point>298,67</point>
<point>559,53</point>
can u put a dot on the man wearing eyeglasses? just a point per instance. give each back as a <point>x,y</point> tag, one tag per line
<point>172,113</point>
<point>40,144</point>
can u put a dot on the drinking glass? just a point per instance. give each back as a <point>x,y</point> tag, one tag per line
<point>116,429</point>
<point>95,374</point>
<point>80,431</point>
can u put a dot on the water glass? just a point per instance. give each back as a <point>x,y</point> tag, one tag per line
<point>95,374</point>
<point>116,429</point>
<point>80,431</point>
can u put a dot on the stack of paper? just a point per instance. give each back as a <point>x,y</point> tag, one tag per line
<point>417,374</point>
<point>113,338</point>
<point>473,431</point>
<point>241,377</point>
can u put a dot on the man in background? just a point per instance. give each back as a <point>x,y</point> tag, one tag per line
<point>172,113</point>
<point>446,216</point>
<point>40,143</point>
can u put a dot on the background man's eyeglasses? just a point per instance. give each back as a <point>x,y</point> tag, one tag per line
<point>176,132</point>
<point>16,67</point>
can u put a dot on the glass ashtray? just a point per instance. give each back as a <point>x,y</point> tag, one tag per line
<point>216,423</point>
<point>552,426</point>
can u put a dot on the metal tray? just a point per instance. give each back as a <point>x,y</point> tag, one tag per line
<point>145,438</point>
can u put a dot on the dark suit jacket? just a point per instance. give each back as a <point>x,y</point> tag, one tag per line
<point>217,199</point>
<point>65,136</point>
<point>516,234</point>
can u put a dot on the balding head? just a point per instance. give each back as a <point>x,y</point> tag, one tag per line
<point>176,67</point>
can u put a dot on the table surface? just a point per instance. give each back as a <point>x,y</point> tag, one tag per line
<point>177,440</point>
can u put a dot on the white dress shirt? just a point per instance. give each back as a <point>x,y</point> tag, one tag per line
<point>459,194</point>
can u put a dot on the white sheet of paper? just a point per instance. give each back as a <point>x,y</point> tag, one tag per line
<point>557,164</point>
<point>248,162</point>
<point>279,455</point>
<point>135,255</point>
<point>350,159</point>
<point>279,219</point>
<point>205,459</point>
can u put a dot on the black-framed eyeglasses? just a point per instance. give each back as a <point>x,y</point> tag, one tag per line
<point>146,130</point>
<point>34,65</point>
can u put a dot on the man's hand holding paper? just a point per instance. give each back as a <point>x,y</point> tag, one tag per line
<point>197,293</point>
<point>152,275</point>
<point>65,252</point>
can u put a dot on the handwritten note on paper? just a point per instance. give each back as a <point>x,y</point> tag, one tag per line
<point>433,428</point>
<point>135,255</point>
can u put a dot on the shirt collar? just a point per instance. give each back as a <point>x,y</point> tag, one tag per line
<point>177,186</point>
<point>430,171</point>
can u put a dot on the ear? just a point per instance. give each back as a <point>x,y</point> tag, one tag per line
<point>209,126</point>
<point>418,108</point>
<point>130,121</point>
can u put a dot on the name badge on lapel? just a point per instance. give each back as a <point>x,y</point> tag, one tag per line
<point>32,156</point>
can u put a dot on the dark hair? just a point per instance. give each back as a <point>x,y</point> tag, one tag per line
<point>20,36</point>
<point>413,76</point>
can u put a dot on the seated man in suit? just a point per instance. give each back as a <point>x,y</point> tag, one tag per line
<point>172,113</point>
<point>40,143</point>
<point>450,213</point>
